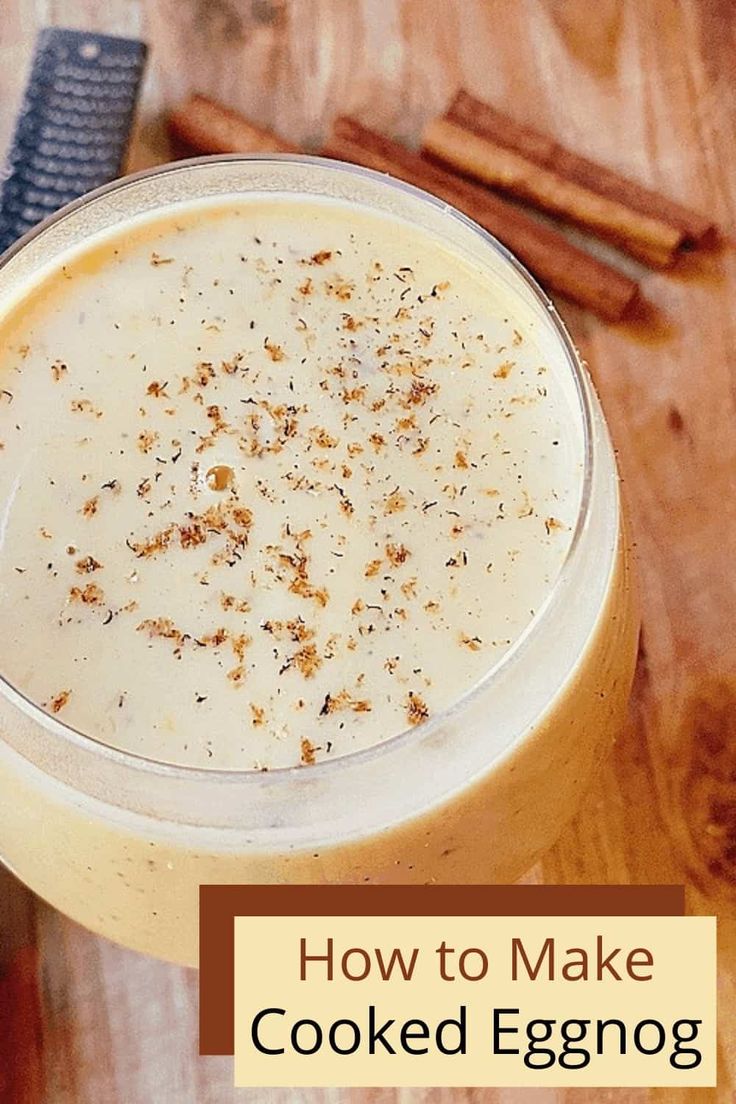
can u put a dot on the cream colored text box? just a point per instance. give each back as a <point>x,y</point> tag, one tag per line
<point>682,988</point>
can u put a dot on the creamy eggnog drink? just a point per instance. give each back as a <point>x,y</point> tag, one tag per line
<point>311,565</point>
<point>288,479</point>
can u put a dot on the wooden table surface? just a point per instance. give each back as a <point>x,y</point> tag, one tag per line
<point>646,86</point>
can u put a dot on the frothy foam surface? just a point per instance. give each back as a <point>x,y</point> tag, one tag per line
<point>279,478</point>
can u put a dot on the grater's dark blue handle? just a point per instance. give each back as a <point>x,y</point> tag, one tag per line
<point>74,124</point>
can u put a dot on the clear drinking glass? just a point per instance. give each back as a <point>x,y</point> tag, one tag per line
<point>121,843</point>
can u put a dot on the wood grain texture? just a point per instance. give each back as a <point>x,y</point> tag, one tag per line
<point>647,87</point>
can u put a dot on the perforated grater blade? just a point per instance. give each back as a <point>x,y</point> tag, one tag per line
<point>73,127</point>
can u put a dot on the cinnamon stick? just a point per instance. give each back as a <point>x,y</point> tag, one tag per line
<point>488,146</point>
<point>558,264</point>
<point>208,127</point>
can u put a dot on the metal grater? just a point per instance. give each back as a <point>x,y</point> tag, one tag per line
<point>73,127</point>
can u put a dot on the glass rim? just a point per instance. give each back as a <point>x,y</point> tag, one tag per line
<point>325,767</point>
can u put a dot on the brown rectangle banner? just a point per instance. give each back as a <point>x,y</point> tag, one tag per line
<point>220,904</point>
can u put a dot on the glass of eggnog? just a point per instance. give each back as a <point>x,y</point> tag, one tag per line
<point>312,564</point>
